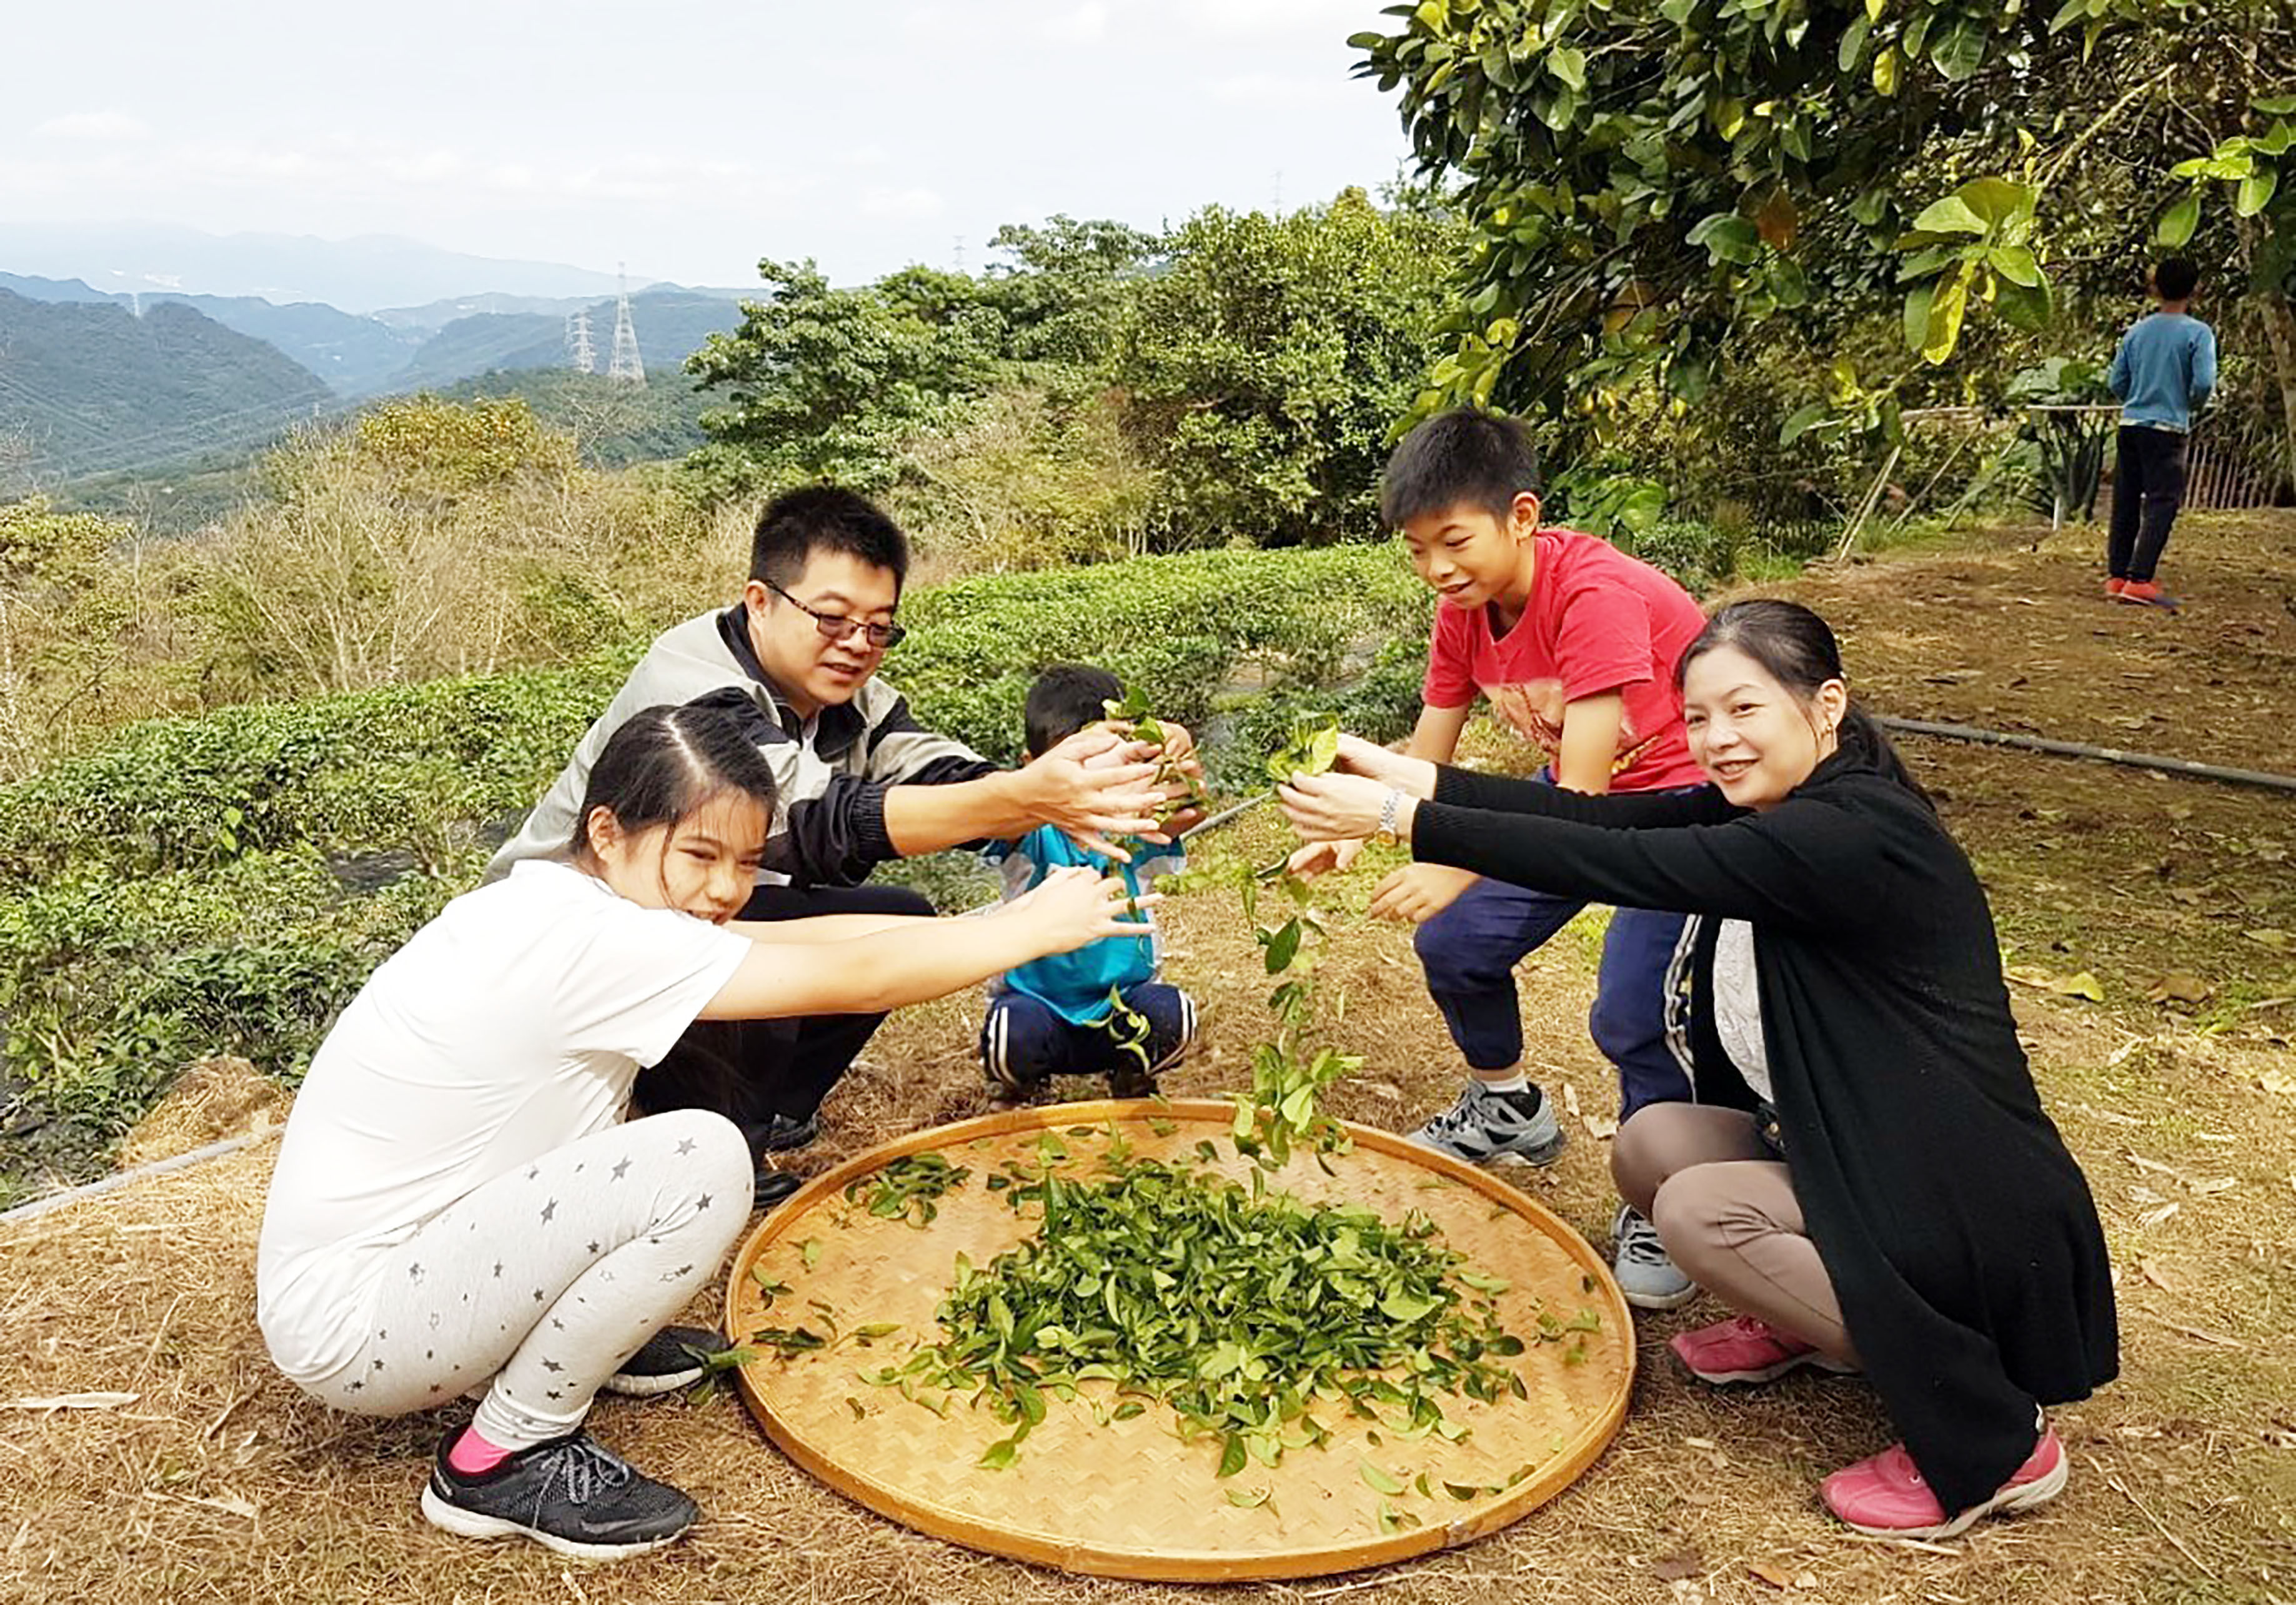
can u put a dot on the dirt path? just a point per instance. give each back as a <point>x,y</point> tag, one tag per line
<point>218,1481</point>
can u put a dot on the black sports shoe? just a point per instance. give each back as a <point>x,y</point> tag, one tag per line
<point>671,1359</point>
<point>783,1133</point>
<point>567,1495</point>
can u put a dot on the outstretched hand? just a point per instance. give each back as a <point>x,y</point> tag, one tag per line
<point>1335,807</point>
<point>1324,857</point>
<point>1072,906</point>
<point>1096,787</point>
<point>1413,776</point>
<point>1418,892</point>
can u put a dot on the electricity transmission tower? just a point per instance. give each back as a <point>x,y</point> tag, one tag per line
<point>626,364</point>
<point>584,355</point>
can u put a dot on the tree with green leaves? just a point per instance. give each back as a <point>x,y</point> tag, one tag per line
<point>824,383</point>
<point>1649,181</point>
<point>1265,367</point>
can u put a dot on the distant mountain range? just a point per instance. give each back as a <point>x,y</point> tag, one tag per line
<point>670,323</point>
<point>359,275</point>
<point>353,355</point>
<point>86,387</point>
<point>91,383</point>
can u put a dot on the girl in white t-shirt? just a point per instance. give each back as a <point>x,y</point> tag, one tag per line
<point>459,1205</point>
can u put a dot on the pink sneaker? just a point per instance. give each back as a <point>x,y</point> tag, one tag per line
<point>1745,1349</point>
<point>1885,1496</point>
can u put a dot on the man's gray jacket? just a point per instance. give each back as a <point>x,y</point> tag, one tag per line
<point>829,822</point>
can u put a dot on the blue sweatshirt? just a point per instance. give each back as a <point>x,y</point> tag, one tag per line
<point>1076,985</point>
<point>2165,368</point>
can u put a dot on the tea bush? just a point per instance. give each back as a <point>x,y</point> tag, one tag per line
<point>180,889</point>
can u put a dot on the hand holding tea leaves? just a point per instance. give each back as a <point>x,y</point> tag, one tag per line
<point>1095,787</point>
<point>1179,773</point>
<point>1337,808</point>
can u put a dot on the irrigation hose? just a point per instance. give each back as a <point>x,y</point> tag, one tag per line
<point>2110,755</point>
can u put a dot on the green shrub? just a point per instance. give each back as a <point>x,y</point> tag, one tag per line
<point>403,767</point>
<point>1180,627</point>
<point>177,891</point>
<point>109,985</point>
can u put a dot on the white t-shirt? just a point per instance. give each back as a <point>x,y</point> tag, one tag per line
<point>511,1025</point>
<point>1738,1006</point>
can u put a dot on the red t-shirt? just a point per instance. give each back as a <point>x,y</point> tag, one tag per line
<point>1597,621</point>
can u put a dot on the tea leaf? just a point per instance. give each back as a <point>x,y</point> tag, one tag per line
<point>1378,1480</point>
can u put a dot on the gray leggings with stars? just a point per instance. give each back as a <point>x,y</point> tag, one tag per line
<point>537,1285</point>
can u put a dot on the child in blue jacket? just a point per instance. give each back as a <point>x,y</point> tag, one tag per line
<point>1101,1010</point>
<point>2161,376</point>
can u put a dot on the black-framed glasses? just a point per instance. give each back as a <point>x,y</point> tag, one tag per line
<point>838,626</point>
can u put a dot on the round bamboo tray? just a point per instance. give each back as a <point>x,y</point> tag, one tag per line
<point>1129,1499</point>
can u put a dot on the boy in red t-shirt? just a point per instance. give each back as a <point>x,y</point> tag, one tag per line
<point>1575,644</point>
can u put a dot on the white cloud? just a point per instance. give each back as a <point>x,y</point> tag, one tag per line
<point>1261,19</point>
<point>1276,89</point>
<point>94,125</point>
<point>902,203</point>
<point>1086,23</point>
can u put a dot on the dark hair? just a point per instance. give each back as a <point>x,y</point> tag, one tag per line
<point>1462,456</point>
<point>1800,652</point>
<point>1065,698</point>
<point>824,517</point>
<point>667,763</point>
<point>2176,278</point>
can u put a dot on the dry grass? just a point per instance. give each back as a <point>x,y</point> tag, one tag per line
<point>220,1481</point>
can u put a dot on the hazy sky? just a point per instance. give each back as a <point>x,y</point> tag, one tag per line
<point>688,139</point>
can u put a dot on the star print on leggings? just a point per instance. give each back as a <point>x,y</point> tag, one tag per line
<point>620,1169</point>
<point>549,1211</point>
<point>685,1147</point>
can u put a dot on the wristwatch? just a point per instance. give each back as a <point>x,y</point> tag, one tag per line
<point>1388,810</point>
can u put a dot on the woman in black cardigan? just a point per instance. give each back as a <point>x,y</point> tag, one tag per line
<point>1867,1172</point>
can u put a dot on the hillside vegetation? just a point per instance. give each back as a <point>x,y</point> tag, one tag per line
<point>88,386</point>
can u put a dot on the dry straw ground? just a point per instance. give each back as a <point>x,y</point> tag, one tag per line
<point>218,1481</point>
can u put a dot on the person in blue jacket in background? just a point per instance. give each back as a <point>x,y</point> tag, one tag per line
<point>2161,375</point>
<point>1102,1009</point>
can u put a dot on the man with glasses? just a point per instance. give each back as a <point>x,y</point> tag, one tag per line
<point>860,782</point>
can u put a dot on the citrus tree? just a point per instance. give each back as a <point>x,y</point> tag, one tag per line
<point>1647,180</point>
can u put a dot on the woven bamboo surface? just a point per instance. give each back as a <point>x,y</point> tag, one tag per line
<point>1129,1499</point>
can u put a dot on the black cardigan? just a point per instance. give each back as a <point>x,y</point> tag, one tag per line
<point>1959,1233</point>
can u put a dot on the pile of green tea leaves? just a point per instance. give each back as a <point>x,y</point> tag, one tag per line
<point>1245,1311</point>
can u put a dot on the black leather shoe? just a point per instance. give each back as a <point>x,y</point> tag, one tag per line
<point>775,1185</point>
<point>783,1133</point>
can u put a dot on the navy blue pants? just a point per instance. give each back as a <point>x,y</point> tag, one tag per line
<point>1471,949</point>
<point>1025,1042</point>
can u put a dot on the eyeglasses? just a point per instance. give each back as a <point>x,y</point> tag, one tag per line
<point>837,626</point>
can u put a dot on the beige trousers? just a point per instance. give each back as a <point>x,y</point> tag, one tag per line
<point>1725,1207</point>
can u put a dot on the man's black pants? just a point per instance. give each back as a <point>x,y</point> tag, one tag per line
<point>751,1070</point>
<point>2148,487</point>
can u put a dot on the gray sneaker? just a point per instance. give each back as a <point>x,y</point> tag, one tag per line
<point>568,1494</point>
<point>1483,1125</point>
<point>1650,1279</point>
